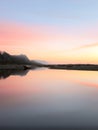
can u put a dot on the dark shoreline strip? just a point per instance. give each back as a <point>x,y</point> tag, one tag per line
<point>75,67</point>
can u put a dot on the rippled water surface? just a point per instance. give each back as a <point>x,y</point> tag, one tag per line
<point>50,98</point>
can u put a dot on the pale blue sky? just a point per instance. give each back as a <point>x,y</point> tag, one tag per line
<point>59,12</point>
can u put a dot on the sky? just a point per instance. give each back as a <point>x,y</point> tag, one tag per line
<point>56,31</point>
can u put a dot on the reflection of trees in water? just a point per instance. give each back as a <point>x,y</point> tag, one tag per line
<point>6,73</point>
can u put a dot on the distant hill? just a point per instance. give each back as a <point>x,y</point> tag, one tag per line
<point>41,61</point>
<point>6,58</point>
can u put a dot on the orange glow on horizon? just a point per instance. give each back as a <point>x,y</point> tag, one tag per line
<point>45,43</point>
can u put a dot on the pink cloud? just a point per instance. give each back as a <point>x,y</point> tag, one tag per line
<point>86,46</point>
<point>11,33</point>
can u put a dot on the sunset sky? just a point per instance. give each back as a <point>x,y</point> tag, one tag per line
<point>57,31</point>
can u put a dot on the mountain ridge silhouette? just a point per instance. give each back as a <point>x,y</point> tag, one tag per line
<point>6,58</point>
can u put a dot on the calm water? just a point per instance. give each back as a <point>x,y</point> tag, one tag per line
<point>50,98</point>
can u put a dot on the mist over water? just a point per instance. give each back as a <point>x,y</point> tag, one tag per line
<point>49,98</point>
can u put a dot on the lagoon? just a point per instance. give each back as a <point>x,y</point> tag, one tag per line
<point>45,98</point>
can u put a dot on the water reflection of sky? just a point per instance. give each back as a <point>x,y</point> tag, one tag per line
<point>50,98</point>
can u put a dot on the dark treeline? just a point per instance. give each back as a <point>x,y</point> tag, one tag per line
<point>6,58</point>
